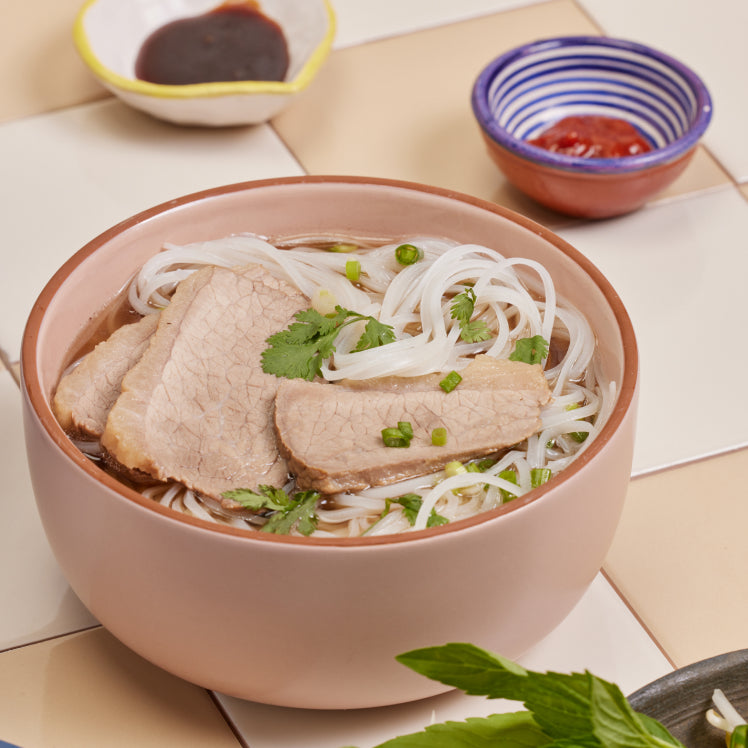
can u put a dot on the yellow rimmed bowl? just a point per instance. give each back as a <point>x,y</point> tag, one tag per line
<point>109,34</point>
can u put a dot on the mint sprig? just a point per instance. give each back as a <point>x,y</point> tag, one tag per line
<point>577,710</point>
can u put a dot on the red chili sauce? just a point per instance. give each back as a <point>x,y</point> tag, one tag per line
<point>592,136</point>
<point>233,42</point>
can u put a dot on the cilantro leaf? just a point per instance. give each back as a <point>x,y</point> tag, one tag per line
<point>299,513</point>
<point>375,334</point>
<point>530,350</point>
<point>299,351</point>
<point>462,308</point>
<point>266,497</point>
<point>513,730</point>
<point>463,305</point>
<point>475,331</point>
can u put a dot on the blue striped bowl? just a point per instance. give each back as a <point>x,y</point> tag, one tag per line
<point>524,91</point>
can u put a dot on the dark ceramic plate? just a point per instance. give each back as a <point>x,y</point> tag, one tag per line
<point>680,700</point>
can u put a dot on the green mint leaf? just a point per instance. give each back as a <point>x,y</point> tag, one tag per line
<point>463,306</point>
<point>375,334</point>
<point>616,724</point>
<point>530,350</point>
<point>300,513</point>
<point>469,668</point>
<point>513,730</point>
<point>475,331</point>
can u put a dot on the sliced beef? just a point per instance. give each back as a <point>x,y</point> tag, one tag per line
<point>331,434</point>
<point>85,395</point>
<point>197,407</point>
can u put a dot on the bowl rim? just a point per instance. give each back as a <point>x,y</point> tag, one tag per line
<point>657,156</point>
<point>40,406</point>
<point>203,90</point>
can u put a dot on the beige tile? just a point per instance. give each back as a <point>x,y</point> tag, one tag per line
<point>703,173</point>
<point>89,690</point>
<point>39,67</point>
<point>400,108</point>
<point>680,556</point>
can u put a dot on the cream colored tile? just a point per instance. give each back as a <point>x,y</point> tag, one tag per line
<point>388,117</point>
<point>40,70</point>
<point>35,600</point>
<point>360,21</point>
<point>600,634</point>
<point>708,37</point>
<point>679,268</point>
<point>70,175</point>
<point>89,690</point>
<point>680,556</point>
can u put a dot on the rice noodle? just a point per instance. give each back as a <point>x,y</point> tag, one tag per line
<point>516,298</point>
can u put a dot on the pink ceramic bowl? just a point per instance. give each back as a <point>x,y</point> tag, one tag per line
<point>304,622</point>
<point>527,89</point>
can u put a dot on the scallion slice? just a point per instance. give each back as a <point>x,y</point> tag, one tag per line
<point>405,429</point>
<point>408,254</point>
<point>538,476</point>
<point>439,436</point>
<point>450,381</point>
<point>353,270</point>
<point>393,437</point>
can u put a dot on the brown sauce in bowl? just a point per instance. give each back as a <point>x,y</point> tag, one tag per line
<point>233,42</point>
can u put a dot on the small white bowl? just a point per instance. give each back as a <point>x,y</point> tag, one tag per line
<point>109,34</point>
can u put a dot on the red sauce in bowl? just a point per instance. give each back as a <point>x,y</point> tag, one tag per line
<point>233,42</point>
<point>592,136</point>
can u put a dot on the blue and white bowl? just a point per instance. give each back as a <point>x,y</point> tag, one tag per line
<point>525,90</point>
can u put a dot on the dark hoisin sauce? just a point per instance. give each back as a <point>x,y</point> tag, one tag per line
<point>233,42</point>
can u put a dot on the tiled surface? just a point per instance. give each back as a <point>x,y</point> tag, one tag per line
<point>678,564</point>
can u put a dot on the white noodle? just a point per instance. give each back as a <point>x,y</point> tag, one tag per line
<point>515,297</point>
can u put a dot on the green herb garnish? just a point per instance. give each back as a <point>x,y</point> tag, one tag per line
<point>463,306</point>
<point>288,513</point>
<point>511,477</point>
<point>538,476</point>
<point>530,350</point>
<point>450,381</point>
<point>578,710</point>
<point>408,254</point>
<point>439,436</point>
<point>395,436</point>
<point>298,351</point>
<point>353,270</point>
<point>411,504</point>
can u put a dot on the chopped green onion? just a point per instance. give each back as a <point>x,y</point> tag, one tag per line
<point>577,436</point>
<point>486,463</point>
<point>450,381</point>
<point>511,476</point>
<point>454,468</point>
<point>353,270</point>
<point>538,476</point>
<point>342,247</point>
<point>405,429</point>
<point>407,254</point>
<point>393,437</point>
<point>439,437</point>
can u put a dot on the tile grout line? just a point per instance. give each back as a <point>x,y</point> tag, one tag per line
<point>17,647</point>
<point>227,718</point>
<point>638,618</point>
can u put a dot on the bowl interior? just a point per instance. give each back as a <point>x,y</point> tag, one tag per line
<point>112,32</point>
<point>524,91</point>
<point>97,274</point>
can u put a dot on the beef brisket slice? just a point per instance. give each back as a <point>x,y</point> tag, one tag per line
<point>332,435</point>
<point>85,395</point>
<point>197,407</point>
